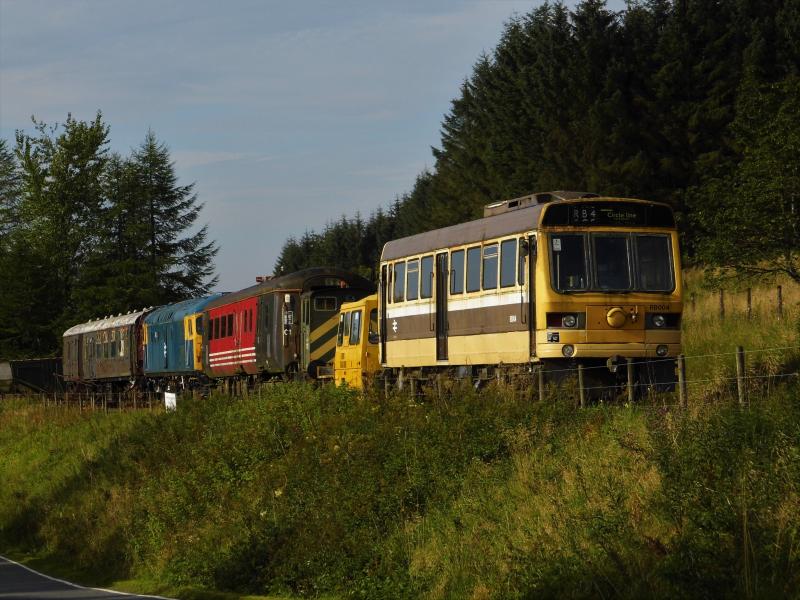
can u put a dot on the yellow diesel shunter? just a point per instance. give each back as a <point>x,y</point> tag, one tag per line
<point>553,280</point>
<point>356,359</point>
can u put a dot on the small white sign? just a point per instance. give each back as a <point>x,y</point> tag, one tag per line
<point>170,400</point>
<point>556,244</point>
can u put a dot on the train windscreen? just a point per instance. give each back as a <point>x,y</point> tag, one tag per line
<point>609,262</point>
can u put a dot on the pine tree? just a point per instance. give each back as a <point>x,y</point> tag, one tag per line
<point>162,214</point>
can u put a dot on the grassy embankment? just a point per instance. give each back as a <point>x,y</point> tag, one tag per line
<point>321,492</point>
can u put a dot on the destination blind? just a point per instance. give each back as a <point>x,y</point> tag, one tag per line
<point>609,214</point>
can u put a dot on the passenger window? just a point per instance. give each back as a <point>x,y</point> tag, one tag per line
<point>474,269</point>
<point>508,261</point>
<point>251,320</point>
<point>230,324</point>
<point>457,272</point>
<point>216,328</point>
<point>426,277</point>
<point>374,338</point>
<point>399,281</point>
<point>388,283</point>
<point>355,328</point>
<point>490,267</point>
<point>521,262</point>
<point>340,333</point>
<point>412,289</point>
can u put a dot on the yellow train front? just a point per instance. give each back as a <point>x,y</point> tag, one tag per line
<point>548,280</point>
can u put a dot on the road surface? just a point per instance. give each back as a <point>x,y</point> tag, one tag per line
<point>18,582</point>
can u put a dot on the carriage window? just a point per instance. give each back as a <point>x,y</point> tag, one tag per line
<point>490,267</point>
<point>426,277</point>
<point>508,261</point>
<point>373,326</point>
<point>198,325</point>
<point>655,266</point>
<point>113,348</point>
<point>340,332</point>
<point>216,329</point>
<point>457,272</point>
<point>251,319</point>
<point>325,303</point>
<point>399,281</point>
<point>355,329</point>
<point>612,265</point>
<point>474,269</point>
<point>568,254</point>
<point>412,289</point>
<point>230,324</point>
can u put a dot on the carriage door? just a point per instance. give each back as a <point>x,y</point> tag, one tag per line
<point>442,279</point>
<point>384,286</point>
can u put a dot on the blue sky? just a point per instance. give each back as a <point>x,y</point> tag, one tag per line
<point>286,115</point>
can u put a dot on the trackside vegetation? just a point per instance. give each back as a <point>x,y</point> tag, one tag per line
<point>321,492</point>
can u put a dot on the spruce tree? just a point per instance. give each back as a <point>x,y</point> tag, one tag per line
<point>179,260</point>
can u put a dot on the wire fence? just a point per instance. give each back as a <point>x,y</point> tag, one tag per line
<point>134,399</point>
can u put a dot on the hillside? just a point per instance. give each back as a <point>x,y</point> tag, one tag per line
<point>320,492</point>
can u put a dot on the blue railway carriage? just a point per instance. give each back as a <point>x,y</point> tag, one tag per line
<point>104,351</point>
<point>173,342</point>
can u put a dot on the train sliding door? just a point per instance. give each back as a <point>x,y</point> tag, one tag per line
<point>442,279</point>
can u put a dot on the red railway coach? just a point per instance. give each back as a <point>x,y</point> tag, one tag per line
<point>283,326</point>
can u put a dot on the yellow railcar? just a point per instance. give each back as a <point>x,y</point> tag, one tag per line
<point>552,280</point>
<point>357,342</point>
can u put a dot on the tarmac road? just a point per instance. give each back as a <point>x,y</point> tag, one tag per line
<point>18,582</point>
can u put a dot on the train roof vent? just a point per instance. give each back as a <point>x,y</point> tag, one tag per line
<point>496,208</point>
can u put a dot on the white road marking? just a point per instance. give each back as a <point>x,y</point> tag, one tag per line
<point>76,586</point>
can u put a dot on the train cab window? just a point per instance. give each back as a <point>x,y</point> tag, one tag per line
<point>474,269</point>
<point>355,328</point>
<point>568,254</point>
<point>426,277</point>
<point>198,325</point>
<point>611,261</point>
<point>373,327</point>
<point>655,264</point>
<point>508,263</point>
<point>340,332</point>
<point>412,287</point>
<point>490,267</point>
<point>399,281</point>
<point>325,303</point>
<point>346,330</point>
<point>457,272</point>
<point>230,325</point>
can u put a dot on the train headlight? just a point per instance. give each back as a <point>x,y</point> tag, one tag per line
<point>569,320</point>
<point>568,350</point>
<point>659,320</point>
<point>662,350</point>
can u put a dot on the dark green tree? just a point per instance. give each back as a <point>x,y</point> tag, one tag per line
<point>160,215</point>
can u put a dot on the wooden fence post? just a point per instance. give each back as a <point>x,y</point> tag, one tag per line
<point>581,389</point>
<point>740,373</point>
<point>722,304</point>
<point>780,302</point>
<point>630,379</point>
<point>540,377</point>
<point>682,380</point>
<point>749,304</point>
